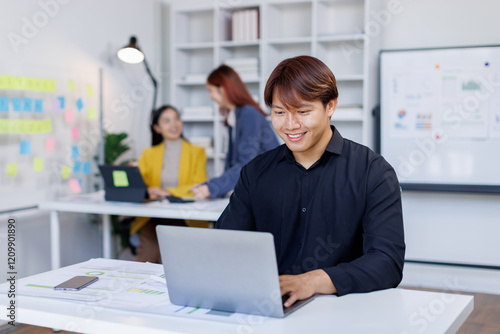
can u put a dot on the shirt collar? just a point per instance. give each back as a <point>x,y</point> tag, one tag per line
<point>336,142</point>
<point>335,146</point>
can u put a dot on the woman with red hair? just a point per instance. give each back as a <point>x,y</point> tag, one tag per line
<point>249,132</point>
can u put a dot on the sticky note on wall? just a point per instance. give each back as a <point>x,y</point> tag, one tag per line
<point>77,166</point>
<point>50,143</point>
<point>11,169</point>
<point>38,164</point>
<point>38,106</point>
<point>17,104</point>
<point>75,133</point>
<point>74,185</point>
<point>65,172</point>
<point>4,104</point>
<point>25,147</point>
<point>27,104</point>
<point>69,116</point>
<point>120,178</point>
<point>90,91</point>
<point>86,168</point>
<point>62,102</point>
<point>79,104</point>
<point>75,153</point>
<point>91,113</point>
<point>71,85</point>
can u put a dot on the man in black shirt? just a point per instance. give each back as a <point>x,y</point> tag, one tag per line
<point>333,206</point>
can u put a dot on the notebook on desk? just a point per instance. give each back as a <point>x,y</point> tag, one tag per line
<point>225,270</point>
<point>123,183</point>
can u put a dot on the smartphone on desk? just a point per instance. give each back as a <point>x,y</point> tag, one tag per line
<point>175,199</point>
<point>76,283</point>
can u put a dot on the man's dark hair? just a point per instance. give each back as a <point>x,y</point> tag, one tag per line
<point>301,78</point>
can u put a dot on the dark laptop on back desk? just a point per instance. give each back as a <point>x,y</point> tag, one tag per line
<point>123,184</point>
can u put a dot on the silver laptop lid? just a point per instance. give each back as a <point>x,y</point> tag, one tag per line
<point>226,270</point>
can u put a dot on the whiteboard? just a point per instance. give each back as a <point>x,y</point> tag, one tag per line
<point>440,117</point>
<point>49,134</point>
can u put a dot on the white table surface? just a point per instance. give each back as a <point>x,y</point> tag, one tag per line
<point>95,203</point>
<point>389,311</point>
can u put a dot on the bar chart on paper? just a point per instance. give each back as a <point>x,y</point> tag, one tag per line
<point>124,285</point>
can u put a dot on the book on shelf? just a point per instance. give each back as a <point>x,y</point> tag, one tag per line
<point>243,62</point>
<point>245,25</point>
<point>195,78</point>
<point>203,142</point>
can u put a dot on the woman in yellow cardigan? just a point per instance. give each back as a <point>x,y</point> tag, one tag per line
<point>171,167</point>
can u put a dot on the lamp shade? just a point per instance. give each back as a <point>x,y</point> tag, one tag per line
<point>131,53</point>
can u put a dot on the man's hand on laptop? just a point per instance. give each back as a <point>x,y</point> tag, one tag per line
<point>305,285</point>
<point>157,193</point>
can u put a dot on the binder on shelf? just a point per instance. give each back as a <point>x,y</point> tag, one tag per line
<point>245,25</point>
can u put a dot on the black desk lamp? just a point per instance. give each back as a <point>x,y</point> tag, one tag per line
<point>133,55</point>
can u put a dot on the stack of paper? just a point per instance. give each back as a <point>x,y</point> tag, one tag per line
<point>247,68</point>
<point>195,78</point>
<point>197,112</point>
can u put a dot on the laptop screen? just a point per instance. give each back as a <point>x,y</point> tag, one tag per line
<point>123,183</point>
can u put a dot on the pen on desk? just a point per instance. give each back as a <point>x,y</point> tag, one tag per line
<point>201,184</point>
<point>158,279</point>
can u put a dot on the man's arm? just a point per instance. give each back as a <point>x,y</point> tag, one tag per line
<point>381,265</point>
<point>238,214</point>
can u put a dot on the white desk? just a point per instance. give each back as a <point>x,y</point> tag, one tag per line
<point>397,311</point>
<point>95,203</point>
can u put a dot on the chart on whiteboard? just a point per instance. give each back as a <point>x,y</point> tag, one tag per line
<point>440,117</point>
<point>452,103</point>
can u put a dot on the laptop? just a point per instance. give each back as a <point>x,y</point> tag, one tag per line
<point>224,270</point>
<point>123,183</point>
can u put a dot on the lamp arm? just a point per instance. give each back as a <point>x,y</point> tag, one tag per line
<point>155,92</point>
<point>155,83</point>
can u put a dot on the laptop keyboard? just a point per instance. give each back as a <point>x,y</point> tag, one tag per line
<point>283,299</point>
<point>296,305</point>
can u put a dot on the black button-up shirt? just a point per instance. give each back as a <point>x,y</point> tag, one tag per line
<point>342,215</point>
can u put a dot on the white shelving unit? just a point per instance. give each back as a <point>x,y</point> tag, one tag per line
<point>332,30</point>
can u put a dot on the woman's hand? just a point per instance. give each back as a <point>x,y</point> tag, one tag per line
<point>201,191</point>
<point>157,193</point>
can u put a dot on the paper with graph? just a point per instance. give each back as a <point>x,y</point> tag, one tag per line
<point>125,285</point>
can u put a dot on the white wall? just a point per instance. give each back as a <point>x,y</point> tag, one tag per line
<point>439,227</point>
<point>444,227</point>
<point>82,33</point>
